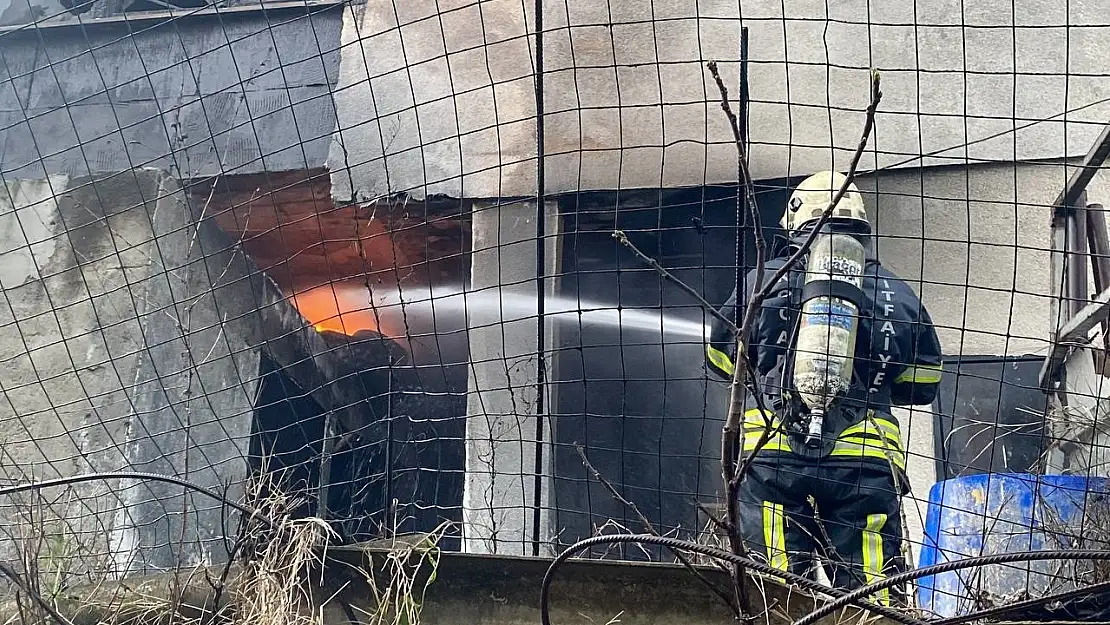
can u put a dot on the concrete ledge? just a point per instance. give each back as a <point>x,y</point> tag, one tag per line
<point>469,589</point>
<point>488,589</point>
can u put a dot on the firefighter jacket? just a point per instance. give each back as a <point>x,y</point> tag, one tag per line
<point>897,359</point>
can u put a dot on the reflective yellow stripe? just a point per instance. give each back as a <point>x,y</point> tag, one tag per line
<point>921,374</point>
<point>873,437</point>
<point>872,425</point>
<point>719,359</point>
<point>755,424</point>
<point>775,443</point>
<point>873,554</point>
<point>755,416</point>
<point>890,436</point>
<point>774,534</point>
<point>868,448</point>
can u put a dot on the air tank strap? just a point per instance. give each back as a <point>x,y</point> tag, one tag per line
<point>782,373</point>
<point>833,288</point>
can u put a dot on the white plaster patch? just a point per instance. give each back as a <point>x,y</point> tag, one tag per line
<point>28,219</point>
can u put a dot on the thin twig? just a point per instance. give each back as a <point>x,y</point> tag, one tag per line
<point>623,239</point>
<point>732,473</point>
<point>745,464</point>
<point>756,301</point>
<point>746,183</point>
<point>719,523</point>
<point>732,470</point>
<point>43,603</point>
<point>220,585</point>
<point>731,432</point>
<point>651,528</point>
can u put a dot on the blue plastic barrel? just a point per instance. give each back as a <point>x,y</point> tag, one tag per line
<point>1002,513</point>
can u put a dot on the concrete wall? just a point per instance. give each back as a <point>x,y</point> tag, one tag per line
<point>974,243</point>
<point>461,589</point>
<point>500,494</point>
<point>238,92</point>
<point>437,98</point>
<point>131,340</point>
<point>26,11</point>
<point>96,376</point>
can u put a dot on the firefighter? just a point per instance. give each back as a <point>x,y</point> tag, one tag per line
<point>836,507</point>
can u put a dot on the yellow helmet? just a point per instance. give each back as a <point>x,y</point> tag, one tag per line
<point>810,199</point>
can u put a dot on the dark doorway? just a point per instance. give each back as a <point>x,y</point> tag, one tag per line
<point>639,401</point>
<point>401,472</point>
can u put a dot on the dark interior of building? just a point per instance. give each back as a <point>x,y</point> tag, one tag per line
<point>639,401</point>
<point>401,470</point>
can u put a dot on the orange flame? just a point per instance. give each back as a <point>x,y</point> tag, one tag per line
<point>337,308</point>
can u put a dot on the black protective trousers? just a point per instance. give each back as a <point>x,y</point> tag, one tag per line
<point>845,512</point>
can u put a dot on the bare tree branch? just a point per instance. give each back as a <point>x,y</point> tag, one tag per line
<point>622,238</point>
<point>720,524</point>
<point>849,177</point>
<point>757,301</point>
<point>651,529</point>
<point>746,183</point>
<point>733,472</point>
<point>33,594</point>
<point>730,434</point>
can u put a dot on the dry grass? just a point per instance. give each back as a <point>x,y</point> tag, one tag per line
<point>1091,530</point>
<point>398,588</point>
<point>274,577</point>
<point>274,584</point>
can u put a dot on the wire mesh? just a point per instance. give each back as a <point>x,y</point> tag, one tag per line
<point>367,251</point>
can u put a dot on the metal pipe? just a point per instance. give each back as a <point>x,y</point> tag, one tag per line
<point>1077,184</point>
<point>1099,244</point>
<point>1077,292</point>
<point>1057,318</point>
<point>743,93</point>
<point>541,261</point>
<point>389,448</point>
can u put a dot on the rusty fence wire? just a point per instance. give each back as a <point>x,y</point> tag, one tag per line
<point>365,250</point>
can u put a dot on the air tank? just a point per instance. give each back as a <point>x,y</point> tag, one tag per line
<point>826,340</point>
